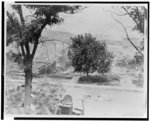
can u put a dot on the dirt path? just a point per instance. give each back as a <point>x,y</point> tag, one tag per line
<point>108,101</point>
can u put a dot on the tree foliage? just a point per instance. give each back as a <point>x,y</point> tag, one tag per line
<point>89,55</point>
<point>27,30</point>
<point>24,32</point>
<point>136,13</point>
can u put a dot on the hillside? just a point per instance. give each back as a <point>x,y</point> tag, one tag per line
<point>51,51</point>
<point>48,52</point>
<point>57,35</point>
<point>120,48</point>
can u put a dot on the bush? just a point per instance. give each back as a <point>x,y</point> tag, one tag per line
<point>140,81</point>
<point>102,80</point>
<point>131,63</point>
<point>44,99</point>
<point>48,98</point>
<point>91,79</point>
<point>89,55</point>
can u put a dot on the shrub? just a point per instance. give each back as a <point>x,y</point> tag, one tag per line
<point>48,98</point>
<point>108,79</point>
<point>89,55</point>
<point>44,99</point>
<point>139,82</point>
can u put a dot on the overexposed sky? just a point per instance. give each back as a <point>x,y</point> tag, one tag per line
<point>94,19</point>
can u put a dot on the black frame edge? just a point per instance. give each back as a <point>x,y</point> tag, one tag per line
<point>148,62</point>
<point>62,118</point>
<point>2,62</point>
<point>93,2</point>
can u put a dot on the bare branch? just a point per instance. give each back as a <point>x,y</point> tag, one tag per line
<point>130,15</point>
<point>128,38</point>
<point>123,14</point>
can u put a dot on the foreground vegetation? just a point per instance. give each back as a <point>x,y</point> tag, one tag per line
<point>44,99</point>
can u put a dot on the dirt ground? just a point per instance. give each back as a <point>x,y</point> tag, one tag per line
<point>96,100</point>
<point>109,102</point>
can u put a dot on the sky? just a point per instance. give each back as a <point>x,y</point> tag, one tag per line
<point>98,21</point>
<point>95,19</point>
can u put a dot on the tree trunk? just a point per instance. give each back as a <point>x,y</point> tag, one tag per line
<point>28,81</point>
<point>87,73</point>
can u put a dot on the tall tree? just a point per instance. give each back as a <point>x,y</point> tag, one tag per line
<point>25,32</point>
